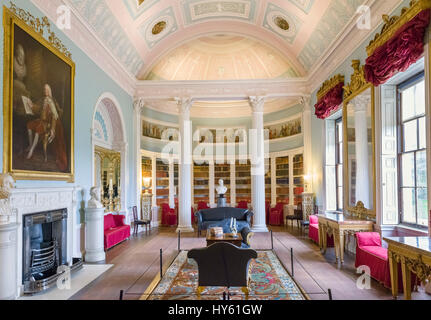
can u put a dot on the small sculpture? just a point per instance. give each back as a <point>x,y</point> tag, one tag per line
<point>94,202</point>
<point>221,188</point>
<point>6,185</point>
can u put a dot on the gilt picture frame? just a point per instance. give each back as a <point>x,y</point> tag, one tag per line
<point>38,89</point>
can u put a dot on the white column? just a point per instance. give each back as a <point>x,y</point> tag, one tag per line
<point>185,166</point>
<point>154,180</point>
<point>306,130</point>
<point>171,184</point>
<point>212,203</point>
<point>362,159</point>
<point>94,228</point>
<point>8,261</point>
<point>232,184</point>
<point>273,181</point>
<point>257,146</point>
<point>137,108</point>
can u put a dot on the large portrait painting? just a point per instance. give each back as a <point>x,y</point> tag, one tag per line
<point>38,105</point>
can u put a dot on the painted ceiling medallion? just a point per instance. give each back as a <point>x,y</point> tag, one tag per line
<point>281,23</point>
<point>159,27</point>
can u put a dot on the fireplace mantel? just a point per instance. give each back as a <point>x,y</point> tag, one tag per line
<point>33,200</point>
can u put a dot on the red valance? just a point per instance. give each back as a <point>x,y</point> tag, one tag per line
<point>398,53</point>
<point>330,101</point>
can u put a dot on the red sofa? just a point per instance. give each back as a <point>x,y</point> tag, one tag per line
<point>313,232</point>
<point>115,231</point>
<point>369,252</point>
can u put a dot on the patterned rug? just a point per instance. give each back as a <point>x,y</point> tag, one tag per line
<point>269,281</point>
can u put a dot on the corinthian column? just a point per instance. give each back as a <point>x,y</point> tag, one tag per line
<point>306,130</point>
<point>185,166</point>
<point>257,146</point>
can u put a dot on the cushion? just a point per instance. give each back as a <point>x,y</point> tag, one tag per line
<point>109,222</point>
<point>314,220</point>
<point>377,251</point>
<point>366,239</point>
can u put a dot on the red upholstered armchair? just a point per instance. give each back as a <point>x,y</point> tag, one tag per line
<point>193,214</point>
<point>313,232</point>
<point>276,215</point>
<point>202,205</point>
<point>169,216</point>
<point>242,205</point>
<point>369,252</point>
<point>115,231</point>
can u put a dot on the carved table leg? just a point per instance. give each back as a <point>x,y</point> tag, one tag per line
<point>341,246</point>
<point>324,239</point>
<point>337,245</point>
<point>320,236</point>
<point>407,279</point>
<point>393,268</point>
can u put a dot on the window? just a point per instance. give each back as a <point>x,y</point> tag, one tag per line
<point>339,162</point>
<point>412,158</point>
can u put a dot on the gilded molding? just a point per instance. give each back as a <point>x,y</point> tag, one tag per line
<point>357,81</point>
<point>393,24</point>
<point>360,211</point>
<point>329,85</point>
<point>39,26</point>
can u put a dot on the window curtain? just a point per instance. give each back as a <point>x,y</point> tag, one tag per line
<point>330,101</point>
<point>398,53</point>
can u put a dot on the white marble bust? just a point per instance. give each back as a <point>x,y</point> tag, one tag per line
<point>94,202</point>
<point>221,188</point>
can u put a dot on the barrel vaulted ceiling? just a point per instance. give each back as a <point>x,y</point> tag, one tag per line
<point>146,35</point>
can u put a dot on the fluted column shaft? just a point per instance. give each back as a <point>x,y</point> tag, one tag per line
<point>257,146</point>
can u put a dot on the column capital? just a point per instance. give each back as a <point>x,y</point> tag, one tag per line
<point>361,103</point>
<point>138,104</point>
<point>184,104</point>
<point>257,103</point>
<point>306,103</point>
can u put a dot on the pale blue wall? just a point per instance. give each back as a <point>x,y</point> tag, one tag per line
<point>90,83</point>
<point>317,125</point>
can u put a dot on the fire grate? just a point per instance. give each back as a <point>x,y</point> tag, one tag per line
<point>44,259</point>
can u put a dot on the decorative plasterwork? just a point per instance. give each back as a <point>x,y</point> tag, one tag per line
<point>393,24</point>
<point>304,5</point>
<point>168,17</point>
<point>329,85</point>
<point>357,80</point>
<point>136,10</point>
<point>105,25</point>
<point>336,17</point>
<point>198,10</point>
<point>272,13</point>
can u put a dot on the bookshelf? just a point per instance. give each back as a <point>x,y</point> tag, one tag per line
<point>147,171</point>
<point>268,180</point>
<point>222,171</point>
<point>298,178</point>
<point>243,181</point>
<point>201,183</point>
<point>282,178</point>
<point>162,182</point>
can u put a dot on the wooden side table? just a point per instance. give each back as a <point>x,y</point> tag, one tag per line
<point>227,237</point>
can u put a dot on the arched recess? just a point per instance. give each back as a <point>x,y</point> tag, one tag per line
<point>108,131</point>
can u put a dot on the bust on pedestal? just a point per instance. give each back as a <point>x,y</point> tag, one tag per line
<point>94,228</point>
<point>221,190</point>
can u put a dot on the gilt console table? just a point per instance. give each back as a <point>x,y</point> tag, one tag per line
<point>339,225</point>
<point>414,254</point>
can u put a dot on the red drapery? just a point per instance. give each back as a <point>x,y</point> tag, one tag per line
<point>401,51</point>
<point>330,101</point>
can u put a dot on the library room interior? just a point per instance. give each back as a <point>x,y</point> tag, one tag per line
<point>245,150</point>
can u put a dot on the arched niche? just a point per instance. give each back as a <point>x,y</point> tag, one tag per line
<point>109,144</point>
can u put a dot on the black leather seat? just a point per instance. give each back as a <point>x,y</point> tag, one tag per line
<point>223,265</point>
